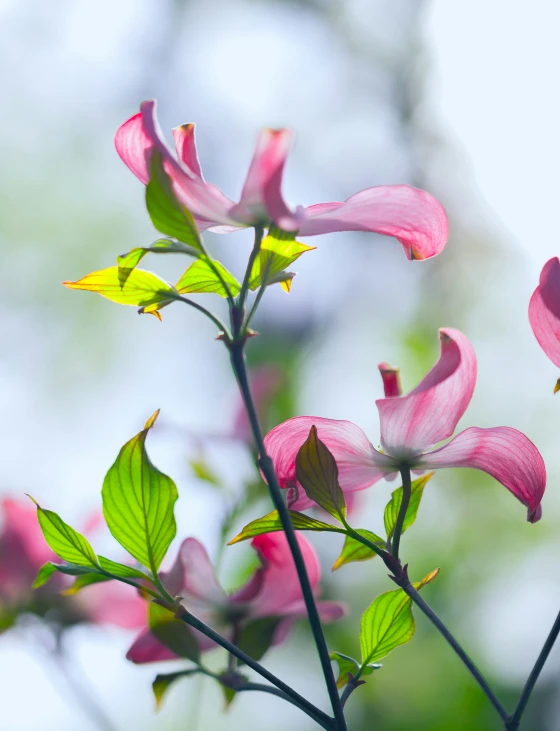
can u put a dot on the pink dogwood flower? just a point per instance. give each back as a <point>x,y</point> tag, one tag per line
<point>411,426</point>
<point>272,591</point>
<point>544,312</point>
<point>412,216</point>
<point>23,550</point>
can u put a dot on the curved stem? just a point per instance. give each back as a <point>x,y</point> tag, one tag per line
<point>256,303</point>
<point>267,467</point>
<point>406,492</point>
<point>513,723</point>
<point>311,710</point>
<point>216,320</point>
<point>259,231</point>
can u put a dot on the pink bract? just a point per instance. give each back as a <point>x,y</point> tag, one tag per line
<point>272,591</point>
<point>411,426</point>
<point>414,217</point>
<point>544,310</point>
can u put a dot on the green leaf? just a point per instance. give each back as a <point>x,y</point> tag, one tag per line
<point>271,523</point>
<point>134,287</point>
<point>200,277</point>
<point>317,472</point>
<point>256,637</point>
<point>353,550</point>
<point>44,574</point>
<point>161,246</point>
<point>346,665</point>
<point>394,504</point>
<point>164,681</point>
<point>230,684</point>
<point>80,582</point>
<point>121,570</point>
<point>67,543</point>
<point>138,502</point>
<point>168,215</point>
<point>388,622</point>
<point>203,471</point>
<point>278,251</point>
<point>173,633</point>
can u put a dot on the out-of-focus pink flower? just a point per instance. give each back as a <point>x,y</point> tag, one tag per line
<point>265,381</point>
<point>412,216</point>
<point>411,426</point>
<point>272,591</point>
<point>23,550</point>
<point>544,311</point>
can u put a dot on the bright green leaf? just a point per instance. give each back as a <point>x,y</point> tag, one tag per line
<point>353,550</point>
<point>317,473</point>
<point>168,215</point>
<point>44,574</point>
<point>346,665</point>
<point>164,681</point>
<point>173,633</point>
<point>138,502</point>
<point>278,251</point>
<point>80,582</point>
<point>136,287</point>
<point>392,507</point>
<point>256,637</point>
<point>271,523</point>
<point>388,622</point>
<point>161,246</point>
<point>200,277</point>
<point>67,543</point>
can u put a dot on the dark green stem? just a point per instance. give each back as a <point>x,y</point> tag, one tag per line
<point>311,710</point>
<point>406,492</point>
<point>512,724</point>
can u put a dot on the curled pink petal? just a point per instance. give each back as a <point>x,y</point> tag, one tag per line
<point>192,576</point>
<point>414,217</point>
<point>186,148</point>
<point>503,452</point>
<point>135,147</point>
<point>146,648</point>
<point>261,198</point>
<point>359,464</point>
<point>391,380</point>
<point>544,310</point>
<point>413,423</point>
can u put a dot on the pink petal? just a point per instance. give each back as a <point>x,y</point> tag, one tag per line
<point>359,464</point>
<point>134,147</point>
<point>280,587</point>
<point>391,380</point>
<point>412,216</point>
<point>261,199</point>
<point>186,148</point>
<point>192,577</point>
<point>328,611</point>
<point>505,453</point>
<point>544,310</point>
<point>413,423</point>
<point>146,648</point>
<point>114,603</point>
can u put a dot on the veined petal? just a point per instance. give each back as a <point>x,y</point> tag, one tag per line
<point>261,199</point>
<point>412,424</point>
<point>280,585</point>
<point>359,464</point>
<point>186,148</point>
<point>192,577</point>
<point>134,147</point>
<point>544,310</point>
<point>414,217</point>
<point>505,453</point>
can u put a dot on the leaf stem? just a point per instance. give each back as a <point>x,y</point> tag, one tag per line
<point>305,705</point>
<point>405,501</point>
<point>215,319</point>
<point>512,724</point>
<point>256,303</point>
<point>259,231</point>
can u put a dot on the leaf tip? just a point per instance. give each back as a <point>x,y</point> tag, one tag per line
<point>152,420</point>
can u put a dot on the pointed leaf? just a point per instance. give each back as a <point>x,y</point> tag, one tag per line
<point>317,472</point>
<point>257,636</point>
<point>44,574</point>
<point>168,215</point>
<point>121,570</point>
<point>271,523</point>
<point>200,278</point>
<point>67,543</point>
<point>134,287</point>
<point>346,665</point>
<point>173,633</point>
<point>394,504</point>
<point>353,550</point>
<point>164,681</point>
<point>278,251</point>
<point>388,622</point>
<point>138,503</point>
<point>161,246</point>
<point>80,582</point>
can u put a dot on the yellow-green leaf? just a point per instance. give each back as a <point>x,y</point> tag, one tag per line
<point>278,251</point>
<point>271,523</point>
<point>201,277</point>
<point>161,246</point>
<point>317,473</point>
<point>394,504</point>
<point>353,550</point>
<point>135,287</point>
<point>164,681</point>
<point>346,665</point>
<point>44,574</point>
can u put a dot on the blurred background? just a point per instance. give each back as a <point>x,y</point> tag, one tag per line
<point>457,98</point>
